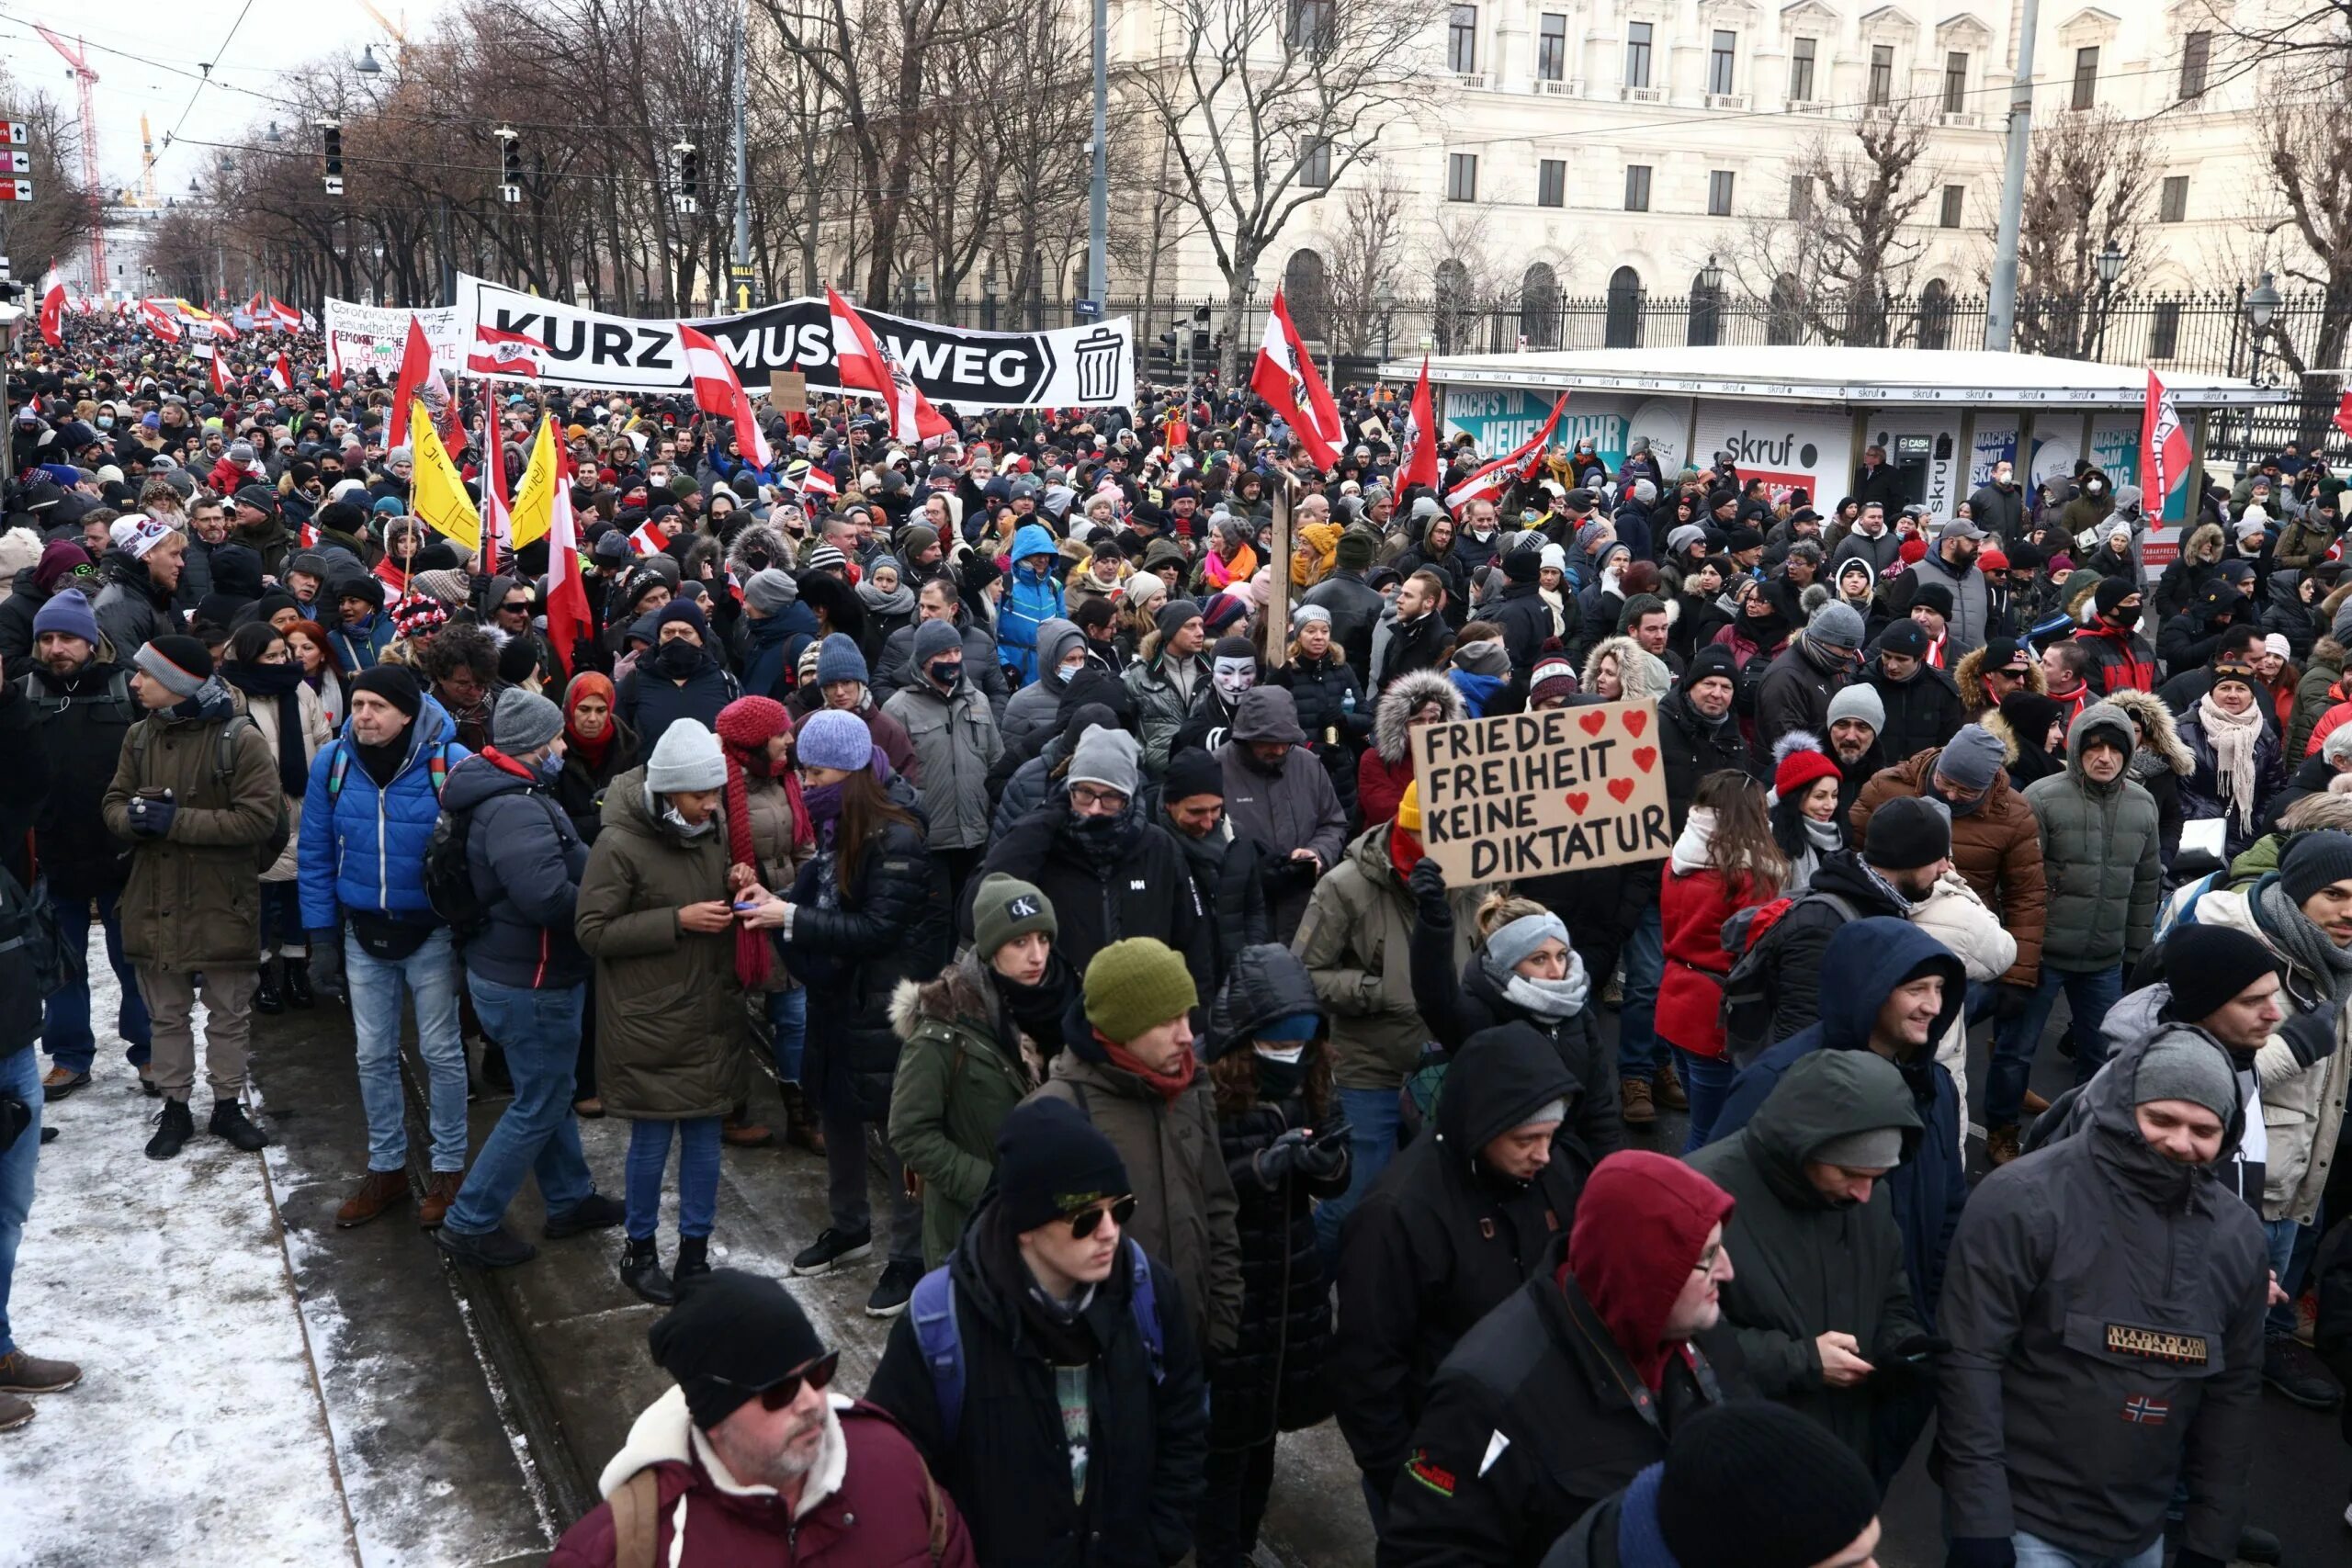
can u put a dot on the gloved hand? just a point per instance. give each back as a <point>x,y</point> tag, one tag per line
<point>152,819</point>
<point>1327,1155</point>
<point>2310,1036</point>
<point>327,962</point>
<point>1981,1551</point>
<point>2009,1002</point>
<point>1279,1160</point>
<point>1428,885</point>
<point>1913,1355</point>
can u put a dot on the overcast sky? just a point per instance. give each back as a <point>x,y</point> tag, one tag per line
<point>177,37</point>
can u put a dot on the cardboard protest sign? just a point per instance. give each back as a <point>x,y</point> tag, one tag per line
<point>788,392</point>
<point>1530,794</point>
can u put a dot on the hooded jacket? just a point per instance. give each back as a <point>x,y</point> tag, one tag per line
<point>649,702</point>
<point>132,610</point>
<point>1871,957</point>
<point>956,740</point>
<point>1037,704</point>
<point>362,848</point>
<point>1441,1240</point>
<point>2105,1307</point>
<point>962,1066</point>
<point>526,859</point>
<point>1294,807</point>
<point>1030,599</point>
<point>1802,938</point>
<point>83,721</point>
<point>1807,1263</point>
<point>1998,847</point>
<point>1136,882</point>
<point>1386,766</point>
<point>2101,854</point>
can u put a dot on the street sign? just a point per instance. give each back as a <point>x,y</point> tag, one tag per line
<point>15,161</point>
<point>1087,310</point>
<point>15,190</point>
<point>14,133</point>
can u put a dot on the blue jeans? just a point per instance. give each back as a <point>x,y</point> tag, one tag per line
<point>1707,1080</point>
<point>2089,993</point>
<point>1372,1119</point>
<point>788,1019</point>
<point>537,1136</point>
<point>19,1075</point>
<point>1645,955</point>
<point>2035,1553</point>
<point>430,974</point>
<point>65,1014</point>
<point>2292,1246</point>
<point>649,1160</point>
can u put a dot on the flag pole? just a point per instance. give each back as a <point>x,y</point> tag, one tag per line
<point>1278,582</point>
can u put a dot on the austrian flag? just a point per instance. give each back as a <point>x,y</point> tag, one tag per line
<point>865,363</point>
<point>1285,375</point>
<point>497,353</point>
<point>281,375</point>
<point>719,393</point>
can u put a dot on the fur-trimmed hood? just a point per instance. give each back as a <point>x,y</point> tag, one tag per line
<point>665,1434</point>
<point>1641,673</point>
<point>2205,534</point>
<point>1399,699</point>
<point>758,541</point>
<point>1967,673</point>
<point>2147,710</point>
<point>955,995</point>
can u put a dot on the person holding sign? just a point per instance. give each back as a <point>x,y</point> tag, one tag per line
<point>1724,861</point>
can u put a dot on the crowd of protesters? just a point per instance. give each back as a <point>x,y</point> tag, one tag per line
<point>1090,811</point>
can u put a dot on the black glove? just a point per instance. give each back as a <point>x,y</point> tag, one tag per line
<point>1325,1157</point>
<point>1914,1354</point>
<point>1279,1160</point>
<point>326,961</point>
<point>1981,1551</point>
<point>152,819</point>
<point>2310,1036</point>
<point>2009,1002</point>
<point>1428,885</point>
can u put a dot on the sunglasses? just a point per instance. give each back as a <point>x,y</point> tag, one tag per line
<point>1087,1222</point>
<point>779,1394</point>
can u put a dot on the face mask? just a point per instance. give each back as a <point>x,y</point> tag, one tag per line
<point>1279,1078</point>
<point>1065,673</point>
<point>679,824</point>
<point>551,768</point>
<point>1234,676</point>
<point>944,672</point>
<point>105,424</point>
<point>2125,618</point>
<point>1481,534</point>
<point>1287,1056</point>
<point>677,659</point>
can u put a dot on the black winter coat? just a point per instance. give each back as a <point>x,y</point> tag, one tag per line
<point>24,602</point>
<point>1331,704</point>
<point>1355,607</point>
<point>851,947</point>
<point>1144,888</point>
<point>1418,646</point>
<point>1921,713</point>
<point>580,788</point>
<point>1803,935</point>
<point>82,728</point>
<point>1526,622</point>
<point>1228,882</point>
<point>651,703</point>
<point>23,784</point>
<point>1694,747</point>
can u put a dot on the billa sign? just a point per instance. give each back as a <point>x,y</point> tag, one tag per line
<point>1533,794</point>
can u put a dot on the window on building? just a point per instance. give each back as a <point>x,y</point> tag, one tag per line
<point>1462,40</point>
<point>1637,54</point>
<point>1719,183</point>
<point>1462,176</point>
<point>1881,74</point>
<point>1623,327</point>
<point>2171,205</point>
<point>1721,54</point>
<point>1552,183</point>
<point>1637,187</point>
<point>1956,83</point>
<point>1552,48</point>
<point>2085,76</point>
<point>1955,197</point>
<point>2196,56</point>
<point>1311,24</point>
<point>1314,169</point>
<point>1799,196</point>
<point>2164,330</point>
<point>1801,54</point>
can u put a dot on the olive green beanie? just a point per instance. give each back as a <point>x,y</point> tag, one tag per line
<point>1134,986</point>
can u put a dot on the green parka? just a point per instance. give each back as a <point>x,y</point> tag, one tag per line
<point>962,1069</point>
<point>2102,856</point>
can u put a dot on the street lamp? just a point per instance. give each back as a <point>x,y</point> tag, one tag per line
<point>2262,304</point>
<point>2110,267</point>
<point>367,66</point>
<point>274,138</point>
<point>2110,264</point>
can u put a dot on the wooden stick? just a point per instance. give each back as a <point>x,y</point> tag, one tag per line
<point>1278,585</point>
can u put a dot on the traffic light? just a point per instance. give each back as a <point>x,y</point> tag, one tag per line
<point>331,146</point>
<point>510,163</point>
<point>1162,358</point>
<point>689,176</point>
<point>1201,317</point>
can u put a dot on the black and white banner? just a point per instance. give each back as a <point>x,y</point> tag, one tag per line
<point>1088,366</point>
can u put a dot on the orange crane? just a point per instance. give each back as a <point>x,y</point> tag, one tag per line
<point>84,78</point>
<point>146,163</point>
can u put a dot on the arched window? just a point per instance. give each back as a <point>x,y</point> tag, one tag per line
<point>1307,294</point>
<point>1935,314</point>
<point>1625,321</point>
<point>1706,308</point>
<point>1539,306</point>
<point>1785,318</point>
<point>1454,312</point>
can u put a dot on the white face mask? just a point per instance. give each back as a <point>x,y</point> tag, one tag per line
<point>1287,1056</point>
<point>1234,676</point>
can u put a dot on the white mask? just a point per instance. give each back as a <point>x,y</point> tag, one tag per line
<point>1276,1054</point>
<point>1234,676</point>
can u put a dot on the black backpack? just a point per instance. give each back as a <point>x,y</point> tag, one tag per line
<point>449,882</point>
<point>1750,993</point>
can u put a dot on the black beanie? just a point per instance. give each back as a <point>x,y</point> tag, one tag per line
<point>1050,1161</point>
<point>2315,860</point>
<point>1712,660</point>
<point>2111,592</point>
<point>1906,833</point>
<point>2206,966</point>
<point>1192,772</point>
<point>1753,1484</point>
<point>394,683</point>
<point>731,1335</point>
<point>1524,565</point>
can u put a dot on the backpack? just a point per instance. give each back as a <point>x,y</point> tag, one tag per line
<point>35,959</point>
<point>942,1342</point>
<point>1748,990</point>
<point>124,707</point>
<point>449,882</point>
<point>225,775</point>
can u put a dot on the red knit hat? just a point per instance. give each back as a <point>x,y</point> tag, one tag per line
<point>1993,561</point>
<point>1800,768</point>
<point>1912,552</point>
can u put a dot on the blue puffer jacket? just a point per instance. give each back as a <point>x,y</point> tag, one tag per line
<point>1030,599</point>
<point>1877,955</point>
<point>362,848</point>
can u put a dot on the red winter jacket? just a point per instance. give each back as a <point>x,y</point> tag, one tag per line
<point>1692,912</point>
<point>2120,659</point>
<point>873,1507</point>
<point>1380,785</point>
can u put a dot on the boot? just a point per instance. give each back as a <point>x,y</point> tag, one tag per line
<point>2033,1104</point>
<point>267,998</point>
<point>1640,1110</point>
<point>800,1128</point>
<point>2001,1145</point>
<point>229,1121</point>
<point>739,1131</point>
<point>439,1193</point>
<point>60,1082</point>
<point>24,1373</point>
<point>694,1261</point>
<point>147,1084</point>
<point>298,984</point>
<point>14,1412</point>
<point>641,1273</point>
<point>1667,1091</point>
<point>378,1191</point>
<point>174,1128</point>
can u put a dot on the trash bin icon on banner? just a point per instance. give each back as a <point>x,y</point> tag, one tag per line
<point>1098,365</point>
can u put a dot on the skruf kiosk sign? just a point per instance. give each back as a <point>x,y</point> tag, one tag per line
<point>1531,794</point>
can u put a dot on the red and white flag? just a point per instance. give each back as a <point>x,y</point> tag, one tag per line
<point>220,381</point>
<point>497,353</point>
<point>567,612</point>
<point>719,393</point>
<point>53,310</point>
<point>160,321</point>
<point>818,481</point>
<point>865,363</point>
<point>2344,414</point>
<point>416,365</point>
<point>1489,482</point>
<point>1420,444</point>
<point>2164,444</point>
<point>648,539</point>
<point>1285,375</point>
<point>285,315</point>
<point>281,374</point>
<point>497,515</point>
<point>306,535</point>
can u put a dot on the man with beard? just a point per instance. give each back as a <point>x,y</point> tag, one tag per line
<point>1922,706</point>
<point>753,1456</point>
<point>1952,563</point>
<point>1227,880</point>
<point>141,571</point>
<point>1856,716</point>
<point>1417,636</point>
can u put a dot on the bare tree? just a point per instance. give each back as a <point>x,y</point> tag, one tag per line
<point>2088,175</point>
<point>1466,278</point>
<point>1365,259</point>
<point>1853,250</point>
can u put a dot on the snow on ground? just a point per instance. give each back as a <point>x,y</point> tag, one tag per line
<point>197,1435</point>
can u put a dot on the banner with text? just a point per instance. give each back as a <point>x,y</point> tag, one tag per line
<point>1085,366</point>
<point>1531,794</point>
<point>361,338</point>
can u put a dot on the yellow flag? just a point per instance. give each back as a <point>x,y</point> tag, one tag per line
<point>535,492</point>
<point>435,494</point>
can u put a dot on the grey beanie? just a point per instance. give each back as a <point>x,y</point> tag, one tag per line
<point>2179,1065</point>
<point>769,591</point>
<point>934,639</point>
<point>1971,759</point>
<point>1510,943</point>
<point>524,721</point>
<point>1835,625</point>
<point>1860,699</point>
<point>687,758</point>
<point>1107,757</point>
<point>1874,1149</point>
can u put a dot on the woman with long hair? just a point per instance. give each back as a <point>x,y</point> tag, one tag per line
<point>1806,823</point>
<point>266,684</point>
<point>2238,769</point>
<point>1331,705</point>
<point>1724,861</point>
<point>768,837</point>
<point>322,671</point>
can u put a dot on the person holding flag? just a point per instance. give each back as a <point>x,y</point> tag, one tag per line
<point>1285,375</point>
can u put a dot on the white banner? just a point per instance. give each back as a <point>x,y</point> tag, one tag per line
<point>371,337</point>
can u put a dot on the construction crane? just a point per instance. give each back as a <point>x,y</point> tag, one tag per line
<point>84,78</point>
<point>146,163</point>
<point>398,34</point>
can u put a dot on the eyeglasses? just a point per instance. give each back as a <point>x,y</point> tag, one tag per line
<point>1087,1222</point>
<point>1092,798</point>
<point>1706,1264</point>
<point>777,1395</point>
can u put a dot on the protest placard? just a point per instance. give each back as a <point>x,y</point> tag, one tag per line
<point>788,392</point>
<point>1531,794</point>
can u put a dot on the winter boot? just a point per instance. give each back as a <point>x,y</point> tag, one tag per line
<point>267,998</point>
<point>641,1273</point>
<point>1667,1091</point>
<point>740,1132</point>
<point>800,1128</point>
<point>229,1121</point>
<point>298,984</point>
<point>378,1191</point>
<point>694,1261</point>
<point>1639,1108</point>
<point>174,1128</point>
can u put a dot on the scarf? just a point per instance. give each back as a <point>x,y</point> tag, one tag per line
<point>1550,1000</point>
<point>1903,904</point>
<point>1036,1011</point>
<point>283,682</point>
<point>899,601</point>
<point>2306,946</point>
<point>588,684</point>
<point>1405,850</point>
<point>2235,738</point>
<point>1826,837</point>
<point>1167,1085</point>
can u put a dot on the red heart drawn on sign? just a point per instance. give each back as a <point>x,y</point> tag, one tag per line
<point>1636,720</point>
<point>1621,789</point>
<point>1578,800</point>
<point>1645,757</point>
<point>1593,721</point>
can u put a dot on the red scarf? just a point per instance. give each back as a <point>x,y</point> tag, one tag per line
<point>1167,1085</point>
<point>1405,850</point>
